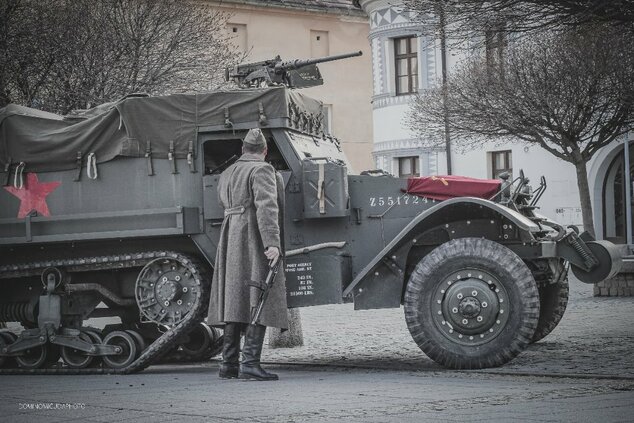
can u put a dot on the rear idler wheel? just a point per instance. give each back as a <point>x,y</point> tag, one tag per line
<point>77,359</point>
<point>127,350</point>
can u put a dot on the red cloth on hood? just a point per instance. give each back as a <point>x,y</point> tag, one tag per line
<point>446,187</point>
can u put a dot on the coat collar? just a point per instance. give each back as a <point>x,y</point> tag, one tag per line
<point>250,157</point>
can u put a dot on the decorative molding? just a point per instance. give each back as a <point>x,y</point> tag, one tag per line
<point>388,99</point>
<point>378,66</point>
<point>402,144</point>
<point>389,16</point>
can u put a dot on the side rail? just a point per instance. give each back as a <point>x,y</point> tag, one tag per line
<point>103,225</point>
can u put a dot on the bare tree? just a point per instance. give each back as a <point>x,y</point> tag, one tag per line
<point>569,93</point>
<point>478,16</point>
<point>60,55</point>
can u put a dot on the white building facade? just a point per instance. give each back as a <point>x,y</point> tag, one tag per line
<point>406,61</point>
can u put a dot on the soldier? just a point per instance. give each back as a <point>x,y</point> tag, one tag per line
<point>252,194</point>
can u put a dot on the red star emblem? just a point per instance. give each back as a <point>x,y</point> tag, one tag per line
<point>33,195</point>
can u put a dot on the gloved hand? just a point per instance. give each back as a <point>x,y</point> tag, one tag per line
<point>272,253</point>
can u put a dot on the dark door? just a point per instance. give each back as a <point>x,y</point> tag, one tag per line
<point>614,198</point>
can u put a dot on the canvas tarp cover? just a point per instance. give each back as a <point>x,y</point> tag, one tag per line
<point>48,142</point>
<point>446,187</point>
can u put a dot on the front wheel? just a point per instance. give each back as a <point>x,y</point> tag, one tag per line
<point>471,303</point>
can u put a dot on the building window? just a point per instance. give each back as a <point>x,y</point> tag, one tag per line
<point>406,65</point>
<point>319,44</point>
<point>238,36</point>
<point>408,167</point>
<point>495,43</point>
<point>501,162</point>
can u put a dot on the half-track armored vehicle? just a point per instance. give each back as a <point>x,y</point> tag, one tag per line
<point>113,212</point>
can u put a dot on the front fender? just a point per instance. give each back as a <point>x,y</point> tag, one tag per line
<point>384,275</point>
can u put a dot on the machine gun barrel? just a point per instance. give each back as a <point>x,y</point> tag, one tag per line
<point>299,63</point>
<point>296,73</point>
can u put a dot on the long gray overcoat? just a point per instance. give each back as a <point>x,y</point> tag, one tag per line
<point>240,261</point>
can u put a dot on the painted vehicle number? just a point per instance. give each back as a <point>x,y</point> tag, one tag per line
<point>401,200</point>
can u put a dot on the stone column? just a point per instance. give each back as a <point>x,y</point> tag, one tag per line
<point>293,337</point>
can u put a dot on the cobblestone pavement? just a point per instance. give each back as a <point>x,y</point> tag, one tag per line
<point>362,366</point>
<point>595,336</point>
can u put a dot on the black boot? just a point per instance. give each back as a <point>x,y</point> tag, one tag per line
<point>251,352</point>
<point>231,351</point>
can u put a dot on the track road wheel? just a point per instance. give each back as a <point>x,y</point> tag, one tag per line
<point>3,343</point>
<point>138,339</point>
<point>200,339</point>
<point>471,303</point>
<point>553,300</point>
<point>127,346</point>
<point>77,359</point>
<point>7,338</point>
<point>34,358</point>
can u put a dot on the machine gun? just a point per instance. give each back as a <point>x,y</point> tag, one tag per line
<point>293,73</point>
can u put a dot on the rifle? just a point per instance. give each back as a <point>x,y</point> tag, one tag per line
<point>268,284</point>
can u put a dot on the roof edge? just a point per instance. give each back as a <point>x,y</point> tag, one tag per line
<point>354,9</point>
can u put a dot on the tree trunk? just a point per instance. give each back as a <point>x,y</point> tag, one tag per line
<point>584,196</point>
<point>293,337</point>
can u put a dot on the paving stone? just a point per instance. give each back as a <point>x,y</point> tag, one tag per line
<point>363,366</point>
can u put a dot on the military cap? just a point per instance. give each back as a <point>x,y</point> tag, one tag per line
<point>254,137</point>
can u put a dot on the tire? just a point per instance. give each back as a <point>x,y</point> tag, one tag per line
<point>34,357</point>
<point>471,303</point>
<point>77,359</point>
<point>553,300</point>
<point>128,347</point>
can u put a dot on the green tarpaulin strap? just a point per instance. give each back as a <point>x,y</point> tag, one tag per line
<point>172,158</point>
<point>190,157</point>
<point>7,173</point>
<point>79,162</point>
<point>18,178</point>
<point>228,123</point>
<point>91,166</point>
<point>263,120</point>
<point>148,157</point>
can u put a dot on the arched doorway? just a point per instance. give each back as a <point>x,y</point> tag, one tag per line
<point>614,197</point>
